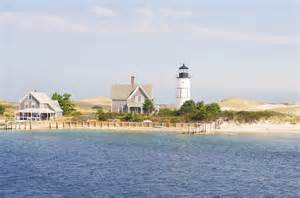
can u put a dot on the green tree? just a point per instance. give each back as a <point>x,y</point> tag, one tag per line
<point>65,103</point>
<point>148,106</point>
<point>200,106</point>
<point>188,107</point>
<point>57,97</point>
<point>101,115</point>
<point>2,110</point>
<point>213,111</point>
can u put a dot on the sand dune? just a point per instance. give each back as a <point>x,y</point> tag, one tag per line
<point>90,105</point>
<point>10,108</point>
<point>237,104</point>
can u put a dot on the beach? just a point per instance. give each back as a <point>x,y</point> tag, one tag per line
<point>261,127</point>
<point>187,128</point>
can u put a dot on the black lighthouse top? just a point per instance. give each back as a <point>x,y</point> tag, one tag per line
<point>184,72</point>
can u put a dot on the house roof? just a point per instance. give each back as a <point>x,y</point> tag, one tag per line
<point>123,91</point>
<point>42,97</point>
<point>55,105</point>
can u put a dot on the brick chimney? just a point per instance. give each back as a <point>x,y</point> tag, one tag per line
<point>132,81</point>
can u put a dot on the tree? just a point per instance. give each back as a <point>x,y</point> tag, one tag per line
<point>65,102</point>
<point>213,110</point>
<point>200,106</point>
<point>201,112</point>
<point>101,115</point>
<point>148,106</point>
<point>188,107</point>
<point>2,110</point>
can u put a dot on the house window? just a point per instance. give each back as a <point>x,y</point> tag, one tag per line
<point>138,98</point>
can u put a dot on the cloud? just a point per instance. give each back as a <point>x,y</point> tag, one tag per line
<point>149,23</point>
<point>146,12</point>
<point>155,21</point>
<point>41,22</point>
<point>244,36</point>
<point>102,12</point>
<point>167,12</point>
<point>150,26</point>
<point>176,13</point>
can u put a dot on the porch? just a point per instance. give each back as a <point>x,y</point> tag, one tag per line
<point>36,114</point>
<point>135,108</point>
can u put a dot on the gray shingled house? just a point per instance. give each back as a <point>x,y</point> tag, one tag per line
<point>130,98</point>
<point>38,106</point>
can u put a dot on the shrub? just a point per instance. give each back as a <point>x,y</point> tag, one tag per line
<point>248,116</point>
<point>96,107</point>
<point>213,111</point>
<point>130,117</point>
<point>102,116</point>
<point>167,112</point>
<point>148,106</point>
<point>76,113</point>
<point>2,110</point>
<point>187,108</point>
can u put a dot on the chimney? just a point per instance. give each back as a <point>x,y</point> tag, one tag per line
<point>132,81</point>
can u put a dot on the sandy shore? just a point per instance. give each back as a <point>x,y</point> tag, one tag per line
<point>262,127</point>
<point>225,128</point>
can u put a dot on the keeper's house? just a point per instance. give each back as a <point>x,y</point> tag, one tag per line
<point>130,98</point>
<point>38,106</point>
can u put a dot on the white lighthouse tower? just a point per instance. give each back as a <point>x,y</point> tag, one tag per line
<point>183,92</point>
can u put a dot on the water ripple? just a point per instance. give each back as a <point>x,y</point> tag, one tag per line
<point>89,164</point>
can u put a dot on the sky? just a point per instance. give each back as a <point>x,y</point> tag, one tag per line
<point>234,48</point>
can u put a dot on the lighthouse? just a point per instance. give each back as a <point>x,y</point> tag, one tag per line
<point>183,89</point>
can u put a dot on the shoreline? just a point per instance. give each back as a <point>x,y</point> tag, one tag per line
<point>184,128</point>
<point>260,128</point>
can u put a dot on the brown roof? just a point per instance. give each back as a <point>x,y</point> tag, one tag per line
<point>123,91</point>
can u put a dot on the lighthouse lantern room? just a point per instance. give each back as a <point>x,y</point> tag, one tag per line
<point>183,92</point>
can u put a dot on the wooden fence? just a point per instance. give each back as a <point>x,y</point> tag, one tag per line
<point>46,125</point>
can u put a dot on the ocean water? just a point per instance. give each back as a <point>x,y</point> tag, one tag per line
<point>100,164</point>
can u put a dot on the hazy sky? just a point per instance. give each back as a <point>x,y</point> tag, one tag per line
<point>235,48</point>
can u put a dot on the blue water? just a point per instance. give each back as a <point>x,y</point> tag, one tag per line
<point>92,164</point>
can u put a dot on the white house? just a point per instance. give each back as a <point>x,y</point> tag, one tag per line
<point>38,106</point>
<point>130,98</point>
